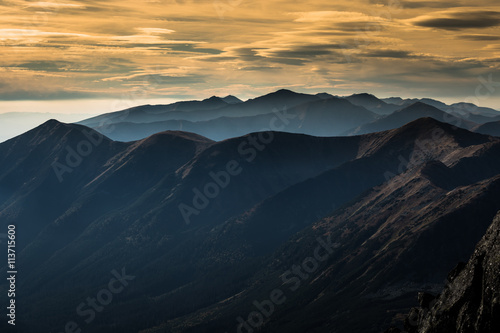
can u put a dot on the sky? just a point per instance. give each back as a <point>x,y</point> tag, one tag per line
<point>100,56</point>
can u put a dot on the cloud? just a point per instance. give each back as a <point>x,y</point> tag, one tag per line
<point>259,68</point>
<point>24,33</point>
<point>480,38</point>
<point>334,16</point>
<point>216,59</point>
<point>156,79</point>
<point>45,4</point>
<point>429,4</point>
<point>294,55</point>
<point>460,20</point>
<point>156,31</point>
<point>305,52</point>
<point>100,48</point>
<point>388,54</point>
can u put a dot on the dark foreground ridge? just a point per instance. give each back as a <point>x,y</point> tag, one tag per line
<point>314,234</point>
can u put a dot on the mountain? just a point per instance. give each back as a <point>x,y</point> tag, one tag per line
<point>473,109</point>
<point>380,245</point>
<point>222,118</point>
<point>473,113</point>
<point>410,113</point>
<point>469,301</point>
<point>492,128</point>
<point>185,110</point>
<point>467,111</point>
<point>15,123</point>
<point>94,198</point>
<point>372,103</point>
<point>325,95</point>
<point>204,230</point>
<point>324,117</point>
<point>207,109</point>
<point>230,99</point>
<point>394,100</point>
<point>409,101</point>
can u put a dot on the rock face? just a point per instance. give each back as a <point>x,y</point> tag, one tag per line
<point>470,301</point>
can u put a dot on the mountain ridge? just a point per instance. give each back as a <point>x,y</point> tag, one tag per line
<point>225,220</point>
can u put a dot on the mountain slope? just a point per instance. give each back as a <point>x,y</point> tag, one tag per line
<point>408,114</point>
<point>399,237</point>
<point>185,110</point>
<point>207,228</point>
<point>121,204</point>
<point>492,128</point>
<point>372,103</point>
<point>466,111</point>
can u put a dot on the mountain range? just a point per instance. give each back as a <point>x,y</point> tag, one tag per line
<point>319,115</point>
<point>268,231</point>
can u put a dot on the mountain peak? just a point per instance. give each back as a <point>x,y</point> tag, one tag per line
<point>426,124</point>
<point>178,134</point>
<point>372,103</point>
<point>57,130</point>
<point>282,97</point>
<point>230,99</point>
<point>418,106</point>
<point>51,123</point>
<point>213,99</point>
<point>325,95</point>
<point>461,136</point>
<point>364,95</point>
<point>364,98</point>
<point>284,91</point>
<point>53,126</point>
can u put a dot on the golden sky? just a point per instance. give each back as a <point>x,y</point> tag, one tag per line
<point>193,49</point>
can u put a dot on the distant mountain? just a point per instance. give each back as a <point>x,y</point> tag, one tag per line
<point>222,118</point>
<point>467,111</point>
<point>492,128</point>
<point>325,95</point>
<point>469,302</point>
<point>394,100</point>
<point>348,228</point>
<point>372,103</point>
<point>473,109</point>
<point>208,109</point>
<point>150,113</point>
<point>323,117</point>
<point>473,113</point>
<point>410,113</point>
<point>409,101</point>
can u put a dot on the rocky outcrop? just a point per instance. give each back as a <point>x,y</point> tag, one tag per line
<point>470,302</point>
